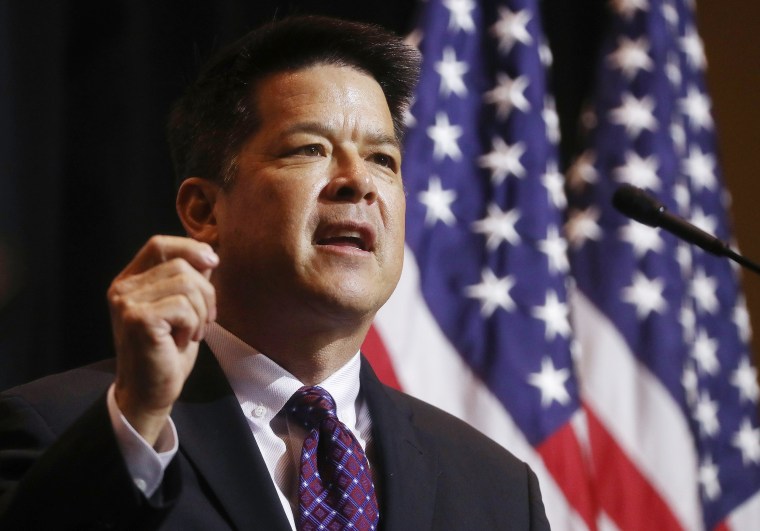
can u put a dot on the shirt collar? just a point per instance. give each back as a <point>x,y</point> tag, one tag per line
<point>263,387</point>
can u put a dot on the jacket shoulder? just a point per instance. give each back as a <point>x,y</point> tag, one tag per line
<point>451,435</point>
<point>60,398</point>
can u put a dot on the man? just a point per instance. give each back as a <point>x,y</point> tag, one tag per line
<point>288,152</point>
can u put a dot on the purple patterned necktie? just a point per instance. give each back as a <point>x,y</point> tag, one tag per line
<point>335,489</point>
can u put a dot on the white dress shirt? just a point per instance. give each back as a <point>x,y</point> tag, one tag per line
<point>262,388</point>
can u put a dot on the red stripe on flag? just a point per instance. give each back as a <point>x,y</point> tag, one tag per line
<point>374,350</point>
<point>563,457</point>
<point>624,494</point>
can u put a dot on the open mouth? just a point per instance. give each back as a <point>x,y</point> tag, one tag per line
<point>346,235</point>
<point>344,241</point>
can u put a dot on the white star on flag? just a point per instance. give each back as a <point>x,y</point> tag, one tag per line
<point>692,46</point>
<point>551,120</point>
<point>492,292</point>
<point>438,202</point>
<point>554,314</point>
<point>747,440</point>
<point>503,160</point>
<point>555,248</point>
<point>582,172</point>
<point>696,105</point>
<point>511,28</point>
<point>545,54</point>
<point>684,259</point>
<point>409,119</point>
<point>703,221</point>
<point>460,15</point>
<point>631,56</point>
<point>583,225</point>
<point>700,167</point>
<point>708,478</point>
<point>627,8</point>
<point>690,382</point>
<point>670,14</point>
<point>678,134</point>
<point>706,415</point>
<point>554,182</point>
<point>673,70</point>
<point>688,319</point>
<point>682,196</point>
<point>635,114</point>
<point>498,226</point>
<point>638,171</point>
<point>705,352</point>
<point>414,38</point>
<point>452,72</point>
<point>642,237</point>
<point>740,318</point>
<point>551,382</point>
<point>703,290</point>
<point>645,294</point>
<point>444,136</point>
<point>744,378</point>
<point>508,94</point>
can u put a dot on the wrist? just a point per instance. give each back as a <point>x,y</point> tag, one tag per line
<point>148,422</point>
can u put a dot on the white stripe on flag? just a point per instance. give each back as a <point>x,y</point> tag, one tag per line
<point>429,368</point>
<point>638,411</point>
<point>746,517</point>
<point>605,523</point>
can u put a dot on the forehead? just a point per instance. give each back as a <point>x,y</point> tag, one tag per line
<point>328,92</point>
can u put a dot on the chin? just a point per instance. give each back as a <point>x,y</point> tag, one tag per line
<point>351,302</point>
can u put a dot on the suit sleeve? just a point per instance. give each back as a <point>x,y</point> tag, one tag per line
<point>72,481</point>
<point>538,519</point>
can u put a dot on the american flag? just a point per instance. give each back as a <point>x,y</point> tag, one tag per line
<point>606,354</point>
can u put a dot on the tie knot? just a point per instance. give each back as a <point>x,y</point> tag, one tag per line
<point>311,405</point>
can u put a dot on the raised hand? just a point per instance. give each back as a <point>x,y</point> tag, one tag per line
<point>160,305</point>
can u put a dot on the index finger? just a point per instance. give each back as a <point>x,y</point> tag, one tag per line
<point>161,248</point>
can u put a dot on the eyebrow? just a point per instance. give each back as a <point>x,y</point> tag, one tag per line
<point>376,137</point>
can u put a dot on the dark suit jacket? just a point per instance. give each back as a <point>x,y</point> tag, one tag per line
<point>60,466</point>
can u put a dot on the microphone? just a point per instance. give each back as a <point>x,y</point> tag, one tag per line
<point>642,207</point>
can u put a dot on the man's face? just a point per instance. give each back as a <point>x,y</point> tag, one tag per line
<point>314,220</point>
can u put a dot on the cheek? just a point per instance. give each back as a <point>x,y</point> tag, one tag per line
<point>395,212</point>
<point>278,204</point>
<point>288,217</point>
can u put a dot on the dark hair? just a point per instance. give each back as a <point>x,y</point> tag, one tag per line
<point>217,113</point>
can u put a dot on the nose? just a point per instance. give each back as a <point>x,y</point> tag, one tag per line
<point>351,181</point>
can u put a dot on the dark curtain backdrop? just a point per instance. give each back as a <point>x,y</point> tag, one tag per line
<point>85,177</point>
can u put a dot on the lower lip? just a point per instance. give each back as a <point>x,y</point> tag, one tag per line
<point>343,249</point>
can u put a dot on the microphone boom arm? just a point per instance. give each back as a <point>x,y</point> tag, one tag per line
<point>636,204</point>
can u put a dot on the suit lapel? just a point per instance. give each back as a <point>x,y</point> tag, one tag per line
<point>215,438</point>
<point>408,470</point>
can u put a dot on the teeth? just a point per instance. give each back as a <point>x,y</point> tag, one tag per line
<point>343,236</point>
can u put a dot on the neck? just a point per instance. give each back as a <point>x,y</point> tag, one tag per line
<point>310,351</point>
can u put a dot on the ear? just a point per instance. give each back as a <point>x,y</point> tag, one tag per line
<point>196,201</point>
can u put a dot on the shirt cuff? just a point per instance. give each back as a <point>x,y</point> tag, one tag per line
<point>146,463</point>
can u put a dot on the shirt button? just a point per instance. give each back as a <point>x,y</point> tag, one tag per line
<point>259,411</point>
<point>140,484</point>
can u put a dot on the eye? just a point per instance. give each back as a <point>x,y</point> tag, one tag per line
<point>381,159</point>
<point>310,150</point>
